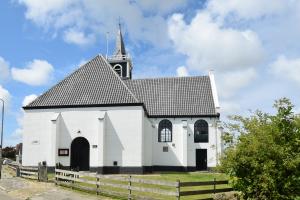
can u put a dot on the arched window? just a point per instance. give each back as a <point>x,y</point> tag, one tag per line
<point>201,131</point>
<point>118,70</point>
<point>165,131</point>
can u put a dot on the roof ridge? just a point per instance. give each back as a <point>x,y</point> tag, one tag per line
<point>122,81</point>
<point>175,77</point>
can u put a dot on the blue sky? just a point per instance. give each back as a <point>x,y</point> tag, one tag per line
<point>252,45</point>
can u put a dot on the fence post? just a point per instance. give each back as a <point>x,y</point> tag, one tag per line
<point>178,189</point>
<point>98,185</point>
<point>214,185</point>
<point>55,177</point>
<point>39,170</point>
<point>129,187</point>
<point>73,182</point>
<point>17,171</point>
<point>42,172</point>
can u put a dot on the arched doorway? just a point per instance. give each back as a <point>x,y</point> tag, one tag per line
<point>80,154</point>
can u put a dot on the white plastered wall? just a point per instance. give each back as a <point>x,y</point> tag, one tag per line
<point>114,134</point>
<point>182,149</point>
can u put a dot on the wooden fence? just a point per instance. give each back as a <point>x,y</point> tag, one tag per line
<point>13,166</point>
<point>37,173</point>
<point>132,187</point>
<point>213,183</point>
<point>29,172</point>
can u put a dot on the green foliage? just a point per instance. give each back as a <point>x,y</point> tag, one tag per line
<point>9,152</point>
<point>263,154</point>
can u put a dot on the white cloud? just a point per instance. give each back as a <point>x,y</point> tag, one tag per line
<point>182,71</point>
<point>28,99</point>
<point>45,12</point>
<point>288,68</point>
<point>5,95</point>
<point>16,135</point>
<point>229,83</point>
<point>78,37</point>
<point>97,17</point>
<point>161,6</point>
<point>229,108</point>
<point>248,9</point>
<point>209,45</point>
<point>37,72</point>
<point>4,69</point>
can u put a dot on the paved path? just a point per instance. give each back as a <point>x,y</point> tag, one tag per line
<point>4,196</point>
<point>15,188</point>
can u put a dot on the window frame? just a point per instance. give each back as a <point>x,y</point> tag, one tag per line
<point>119,68</point>
<point>201,126</point>
<point>63,152</point>
<point>166,126</point>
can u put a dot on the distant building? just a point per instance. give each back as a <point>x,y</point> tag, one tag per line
<point>100,119</point>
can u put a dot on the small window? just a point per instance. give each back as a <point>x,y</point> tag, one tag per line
<point>165,149</point>
<point>200,131</point>
<point>118,70</point>
<point>115,163</point>
<point>165,131</point>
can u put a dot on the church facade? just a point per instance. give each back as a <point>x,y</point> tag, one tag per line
<point>100,119</point>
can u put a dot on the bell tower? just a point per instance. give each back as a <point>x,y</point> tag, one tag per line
<point>120,61</point>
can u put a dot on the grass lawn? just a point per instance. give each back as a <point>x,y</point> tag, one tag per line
<point>163,176</point>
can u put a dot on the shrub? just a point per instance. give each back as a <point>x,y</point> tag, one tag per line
<point>263,154</point>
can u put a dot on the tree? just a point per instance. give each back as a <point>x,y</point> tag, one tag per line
<point>9,152</point>
<point>263,154</point>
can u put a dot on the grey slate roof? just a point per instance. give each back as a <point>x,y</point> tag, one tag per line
<point>178,96</point>
<point>95,83</point>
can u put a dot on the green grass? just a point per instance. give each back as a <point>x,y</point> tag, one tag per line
<point>51,176</point>
<point>165,176</point>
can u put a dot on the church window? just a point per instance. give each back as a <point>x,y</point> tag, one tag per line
<point>118,70</point>
<point>165,131</point>
<point>200,131</point>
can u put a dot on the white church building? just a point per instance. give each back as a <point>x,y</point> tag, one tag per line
<point>100,119</point>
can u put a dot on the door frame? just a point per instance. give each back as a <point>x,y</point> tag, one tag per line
<point>201,165</point>
<point>83,143</point>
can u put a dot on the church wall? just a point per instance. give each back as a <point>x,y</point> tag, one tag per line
<point>122,135</point>
<point>36,138</point>
<point>147,142</point>
<point>123,138</point>
<point>181,151</point>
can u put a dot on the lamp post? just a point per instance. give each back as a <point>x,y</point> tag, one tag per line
<point>1,145</point>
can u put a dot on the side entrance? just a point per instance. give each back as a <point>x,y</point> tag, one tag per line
<point>201,159</point>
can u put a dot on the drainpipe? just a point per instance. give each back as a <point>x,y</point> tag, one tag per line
<point>216,136</point>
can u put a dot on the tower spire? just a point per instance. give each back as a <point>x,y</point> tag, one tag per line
<point>120,47</point>
<point>120,61</point>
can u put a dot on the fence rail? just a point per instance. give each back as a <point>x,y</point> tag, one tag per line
<point>133,187</point>
<point>37,173</point>
<point>29,172</point>
<point>13,166</point>
<point>106,184</point>
<point>214,190</point>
